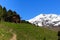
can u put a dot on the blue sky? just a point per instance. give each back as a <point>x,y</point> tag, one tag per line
<point>31,8</point>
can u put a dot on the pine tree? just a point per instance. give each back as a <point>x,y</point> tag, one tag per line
<point>1,12</point>
<point>8,15</point>
<point>4,13</point>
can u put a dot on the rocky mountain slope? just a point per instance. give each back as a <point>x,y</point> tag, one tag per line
<point>46,20</point>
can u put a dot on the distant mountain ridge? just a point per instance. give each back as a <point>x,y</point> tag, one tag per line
<point>46,20</point>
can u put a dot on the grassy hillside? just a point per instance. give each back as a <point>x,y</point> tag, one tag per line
<point>23,31</point>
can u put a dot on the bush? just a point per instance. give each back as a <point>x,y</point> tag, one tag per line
<point>23,21</point>
<point>58,33</point>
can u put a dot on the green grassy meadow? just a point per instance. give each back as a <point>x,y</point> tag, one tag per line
<point>25,31</point>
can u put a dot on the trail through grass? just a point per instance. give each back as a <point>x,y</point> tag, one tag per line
<point>25,31</point>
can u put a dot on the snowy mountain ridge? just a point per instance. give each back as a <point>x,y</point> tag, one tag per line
<point>46,20</point>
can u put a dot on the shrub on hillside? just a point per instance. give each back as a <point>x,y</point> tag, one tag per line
<point>58,35</point>
<point>23,21</point>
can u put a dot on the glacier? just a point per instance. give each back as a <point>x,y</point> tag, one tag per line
<point>46,20</point>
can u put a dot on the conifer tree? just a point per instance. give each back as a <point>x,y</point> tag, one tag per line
<point>4,13</point>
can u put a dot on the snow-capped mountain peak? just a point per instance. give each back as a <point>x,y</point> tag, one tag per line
<point>46,20</point>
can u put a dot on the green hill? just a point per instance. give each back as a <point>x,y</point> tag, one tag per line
<point>25,31</point>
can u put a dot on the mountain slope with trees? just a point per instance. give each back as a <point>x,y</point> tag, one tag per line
<point>13,28</point>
